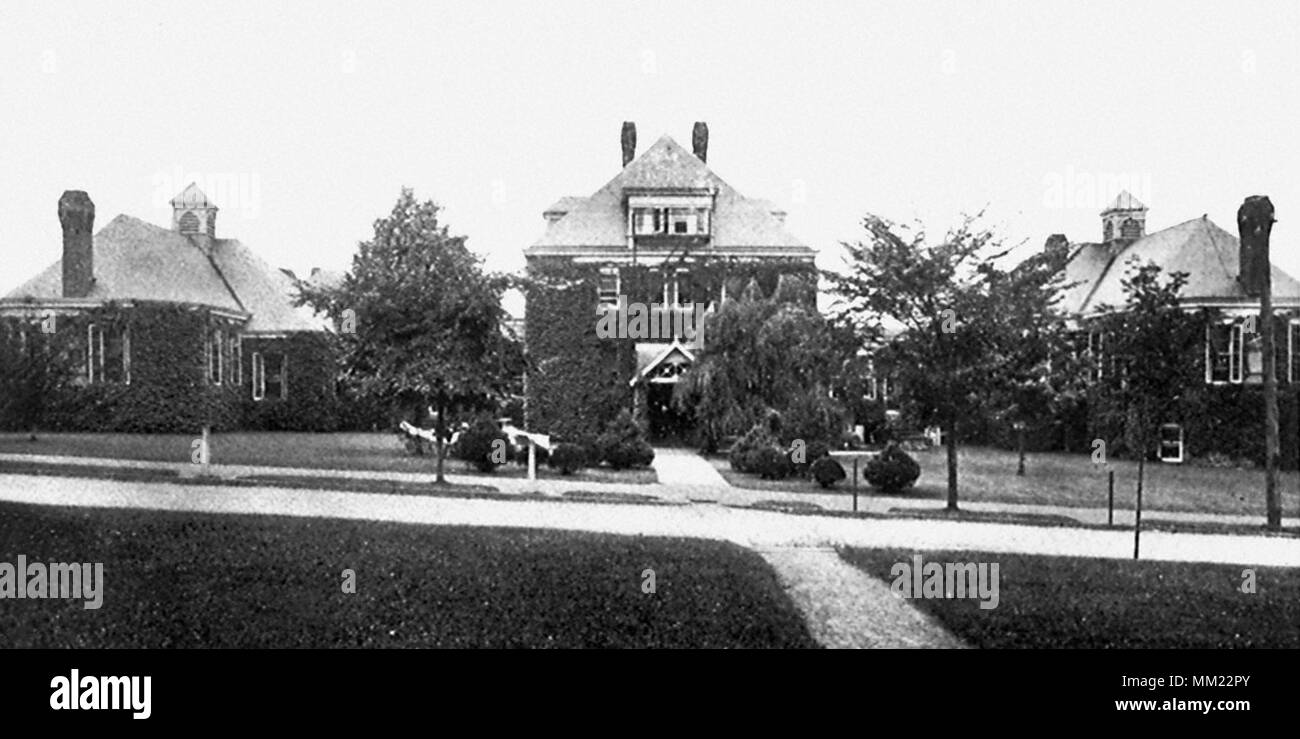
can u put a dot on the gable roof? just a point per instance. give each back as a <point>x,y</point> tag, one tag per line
<point>1198,247</point>
<point>136,260</point>
<point>600,220</point>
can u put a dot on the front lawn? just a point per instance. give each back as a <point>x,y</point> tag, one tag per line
<point>381,452</point>
<point>1067,602</point>
<point>989,475</point>
<point>186,580</point>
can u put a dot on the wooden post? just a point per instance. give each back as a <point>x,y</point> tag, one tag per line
<point>1255,220</point>
<point>532,460</point>
<point>1137,521</point>
<point>207,450</point>
<point>855,484</point>
<point>1110,498</point>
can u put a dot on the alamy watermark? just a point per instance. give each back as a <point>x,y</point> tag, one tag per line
<point>652,321</point>
<point>83,580</point>
<point>917,579</point>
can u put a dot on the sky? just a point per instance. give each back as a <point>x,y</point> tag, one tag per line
<point>304,120</point>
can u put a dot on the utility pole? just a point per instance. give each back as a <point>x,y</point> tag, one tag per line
<point>1254,224</point>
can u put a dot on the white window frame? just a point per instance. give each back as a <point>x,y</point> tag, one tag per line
<point>1181,444</point>
<point>601,297</point>
<point>239,360</point>
<point>259,377</point>
<point>94,353</point>
<point>217,338</point>
<point>1236,354</point>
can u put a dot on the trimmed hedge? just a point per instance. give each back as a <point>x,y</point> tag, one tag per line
<point>892,471</point>
<point>827,471</point>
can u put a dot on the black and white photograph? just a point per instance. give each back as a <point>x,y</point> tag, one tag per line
<point>368,328</point>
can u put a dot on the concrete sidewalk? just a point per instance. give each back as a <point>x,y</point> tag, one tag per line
<point>683,477</point>
<point>747,527</point>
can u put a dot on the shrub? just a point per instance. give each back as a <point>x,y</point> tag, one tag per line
<point>623,443</point>
<point>478,443</point>
<point>813,451</point>
<point>742,452</point>
<point>892,470</point>
<point>568,458</point>
<point>827,471</point>
<point>773,463</point>
<point>630,454</point>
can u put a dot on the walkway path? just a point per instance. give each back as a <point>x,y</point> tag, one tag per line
<point>847,608</point>
<point>688,474</point>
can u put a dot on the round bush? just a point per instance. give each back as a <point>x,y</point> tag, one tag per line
<point>568,458</point>
<point>630,454</point>
<point>892,471</point>
<point>827,471</point>
<point>623,444</point>
<point>773,463</point>
<point>479,445</point>
<point>742,455</point>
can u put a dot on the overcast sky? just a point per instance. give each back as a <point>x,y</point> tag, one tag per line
<point>307,118</point>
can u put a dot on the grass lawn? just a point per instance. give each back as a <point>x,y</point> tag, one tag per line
<point>207,580</point>
<point>1067,602</point>
<point>986,474</point>
<point>348,451</point>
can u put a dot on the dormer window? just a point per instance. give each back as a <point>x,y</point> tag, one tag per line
<point>669,215</point>
<point>670,221</point>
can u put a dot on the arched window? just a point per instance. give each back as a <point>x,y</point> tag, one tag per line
<point>1130,229</point>
<point>189,223</point>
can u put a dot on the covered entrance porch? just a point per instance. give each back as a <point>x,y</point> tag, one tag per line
<point>659,370</point>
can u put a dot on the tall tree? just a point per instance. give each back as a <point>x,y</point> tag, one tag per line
<point>421,321</point>
<point>949,305</point>
<point>762,353</point>
<point>1145,367</point>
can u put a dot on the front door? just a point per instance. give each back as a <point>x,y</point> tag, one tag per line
<point>669,426</point>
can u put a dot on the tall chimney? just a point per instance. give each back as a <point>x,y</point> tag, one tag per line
<point>1056,243</point>
<point>629,142</point>
<point>1254,223</point>
<point>700,140</point>
<point>77,216</point>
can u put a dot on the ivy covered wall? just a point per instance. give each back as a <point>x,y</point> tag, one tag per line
<point>577,382</point>
<point>169,389</point>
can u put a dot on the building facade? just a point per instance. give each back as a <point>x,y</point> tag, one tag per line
<point>144,328</point>
<point>1221,412</point>
<point>622,283</point>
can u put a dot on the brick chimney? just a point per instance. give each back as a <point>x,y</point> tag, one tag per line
<point>700,140</point>
<point>1056,243</point>
<point>1254,223</point>
<point>77,216</point>
<point>629,142</point>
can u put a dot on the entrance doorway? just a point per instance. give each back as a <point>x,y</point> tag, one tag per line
<point>668,425</point>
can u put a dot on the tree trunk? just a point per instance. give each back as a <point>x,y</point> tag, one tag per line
<point>440,431</point>
<point>1020,447</point>
<point>952,465</point>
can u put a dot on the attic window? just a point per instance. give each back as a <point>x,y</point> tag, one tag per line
<point>670,221</point>
<point>189,223</point>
